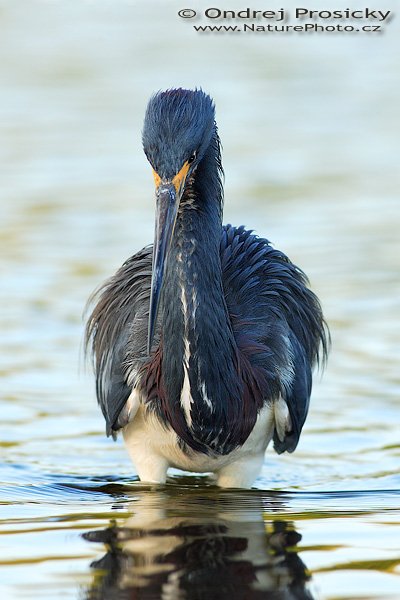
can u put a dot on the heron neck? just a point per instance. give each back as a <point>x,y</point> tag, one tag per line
<point>199,349</point>
<point>193,279</point>
<point>194,274</point>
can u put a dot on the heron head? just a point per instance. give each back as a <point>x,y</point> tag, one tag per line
<point>178,128</point>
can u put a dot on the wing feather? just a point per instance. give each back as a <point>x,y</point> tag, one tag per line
<point>121,307</point>
<point>277,322</point>
<point>274,311</point>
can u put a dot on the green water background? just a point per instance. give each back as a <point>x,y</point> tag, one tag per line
<point>310,130</point>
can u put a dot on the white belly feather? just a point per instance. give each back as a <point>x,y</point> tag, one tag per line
<point>154,447</point>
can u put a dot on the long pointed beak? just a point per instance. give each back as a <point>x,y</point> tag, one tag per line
<point>167,202</point>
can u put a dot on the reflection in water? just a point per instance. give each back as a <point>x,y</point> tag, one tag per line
<point>183,543</point>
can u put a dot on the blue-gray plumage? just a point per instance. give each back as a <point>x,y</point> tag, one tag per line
<point>203,344</point>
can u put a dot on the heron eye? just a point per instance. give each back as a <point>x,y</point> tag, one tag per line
<point>192,157</point>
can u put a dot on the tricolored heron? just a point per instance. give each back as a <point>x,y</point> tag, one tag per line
<point>203,344</point>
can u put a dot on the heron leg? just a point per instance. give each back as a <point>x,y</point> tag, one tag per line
<point>240,474</point>
<point>150,465</point>
<point>153,470</point>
